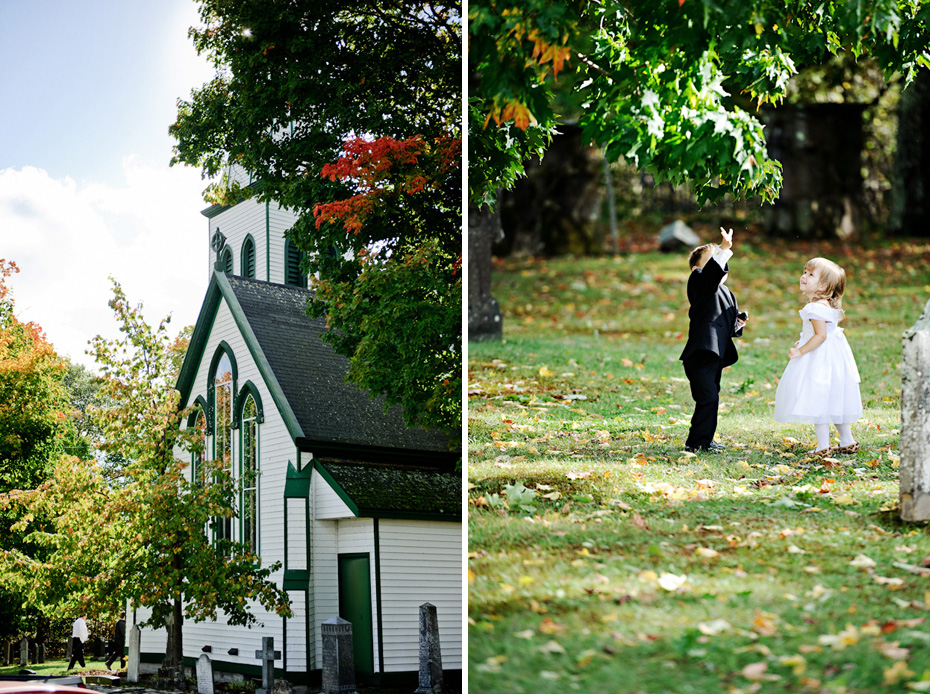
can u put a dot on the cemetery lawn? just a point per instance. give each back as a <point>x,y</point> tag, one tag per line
<point>602,557</point>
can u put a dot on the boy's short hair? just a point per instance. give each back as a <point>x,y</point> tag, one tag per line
<point>696,254</point>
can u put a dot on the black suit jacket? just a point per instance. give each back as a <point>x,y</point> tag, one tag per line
<point>712,314</point>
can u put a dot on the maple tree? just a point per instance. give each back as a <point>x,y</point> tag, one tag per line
<point>670,86</point>
<point>145,533</point>
<point>351,117</point>
<point>34,427</point>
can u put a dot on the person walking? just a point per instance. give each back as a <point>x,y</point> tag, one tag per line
<point>78,637</point>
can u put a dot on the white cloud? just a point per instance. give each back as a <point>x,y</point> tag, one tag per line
<point>67,239</point>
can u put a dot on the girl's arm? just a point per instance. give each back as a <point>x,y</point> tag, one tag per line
<point>820,334</point>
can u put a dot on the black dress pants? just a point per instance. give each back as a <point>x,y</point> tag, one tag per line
<point>77,652</point>
<point>703,369</point>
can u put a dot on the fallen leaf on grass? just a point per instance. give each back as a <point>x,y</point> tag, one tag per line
<point>714,627</point>
<point>671,582</point>
<point>757,671</point>
<point>552,647</point>
<point>863,562</point>
<point>897,672</point>
<point>706,552</point>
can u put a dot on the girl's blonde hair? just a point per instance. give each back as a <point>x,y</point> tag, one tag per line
<point>832,283</point>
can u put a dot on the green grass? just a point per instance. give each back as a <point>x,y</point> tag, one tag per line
<point>602,557</point>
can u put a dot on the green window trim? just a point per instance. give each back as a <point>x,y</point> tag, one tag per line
<point>247,257</point>
<point>293,259</point>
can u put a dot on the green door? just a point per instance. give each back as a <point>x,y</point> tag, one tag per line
<point>355,606</point>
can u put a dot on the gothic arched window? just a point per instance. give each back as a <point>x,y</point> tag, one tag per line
<point>247,258</point>
<point>222,428</point>
<point>226,261</point>
<point>250,473</point>
<point>292,259</point>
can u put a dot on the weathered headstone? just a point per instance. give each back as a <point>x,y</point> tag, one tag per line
<point>24,651</point>
<point>5,652</point>
<point>267,655</point>
<point>485,320</point>
<point>40,652</point>
<point>282,687</point>
<point>677,235</point>
<point>430,654</point>
<point>135,648</point>
<point>915,421</point>
<point>338,656</point>
<point>204,675</point>
<point>68,647</point>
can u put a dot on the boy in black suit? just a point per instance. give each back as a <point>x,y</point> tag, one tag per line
<point>715,319</point>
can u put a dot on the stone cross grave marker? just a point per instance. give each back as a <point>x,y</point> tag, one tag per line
<point>135,648</point>
<point>430,655</point>
<point>915,421</point>
<point>267,655</point>
<point>338,657</point>
<point>204,674</point>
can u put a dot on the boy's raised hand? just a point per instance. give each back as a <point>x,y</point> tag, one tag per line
<point>727,238</point>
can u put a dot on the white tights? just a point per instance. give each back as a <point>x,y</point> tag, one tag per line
<point>823,435</point>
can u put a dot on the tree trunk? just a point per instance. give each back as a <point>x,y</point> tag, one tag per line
<point>820,149</point>
<point>555,209</point>
<point>910,214</point>
<point>485,321</point>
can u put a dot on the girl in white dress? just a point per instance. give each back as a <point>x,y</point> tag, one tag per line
<point>820,385</point>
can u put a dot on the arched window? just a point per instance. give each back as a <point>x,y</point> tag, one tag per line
<point>199,453</point>
<point>292,259</point>
<point>250,473</point>
<point>247,258</point>
<point>226,261</point>
<point>222,429</point>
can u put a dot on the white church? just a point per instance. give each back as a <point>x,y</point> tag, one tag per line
<point>364,514</point>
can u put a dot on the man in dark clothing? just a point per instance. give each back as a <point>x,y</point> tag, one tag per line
<point>118,643</point>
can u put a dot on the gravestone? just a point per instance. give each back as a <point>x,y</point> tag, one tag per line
<point>915,421</point>
<point>338,657</point>
<point>204,675</point>
<point>485,320</point>
<point>267,655</point>
<point>7,653</point>
<point>68,647</point>
<point>24,652</point>
<point>677,235</point>
<point>135,648</point>
<point>40,652</point>
<point>430,655</point>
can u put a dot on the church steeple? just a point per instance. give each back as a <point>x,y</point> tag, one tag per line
<point>248,239</point>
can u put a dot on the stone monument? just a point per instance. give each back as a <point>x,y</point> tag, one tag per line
<point>430,655</point>
<point>135,648</point>
<point>915,421</point>
<point>338,657</point>
<point>204,675</point>
<point>267,655</point>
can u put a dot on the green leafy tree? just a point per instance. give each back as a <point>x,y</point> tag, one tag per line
<point>350,115</point>
<point>34,427</point>
<point>670,86</point>
<point>145,534</point>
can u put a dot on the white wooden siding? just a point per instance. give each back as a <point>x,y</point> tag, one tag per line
<point>326,502</point>
<point>325,571</point>
<point>421,561</point>
<point>296,634</point>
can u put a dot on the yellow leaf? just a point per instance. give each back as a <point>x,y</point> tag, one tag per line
<point>897,672</point>
<point>545,372</point>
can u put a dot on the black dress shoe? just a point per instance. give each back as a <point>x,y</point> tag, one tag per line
<point>714,446</point>
<point>707,449</point>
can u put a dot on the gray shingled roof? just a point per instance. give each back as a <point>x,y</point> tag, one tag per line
<point>395,491</point>
<point>312,376</point>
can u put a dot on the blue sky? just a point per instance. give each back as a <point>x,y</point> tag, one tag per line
<point>89,90</point>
